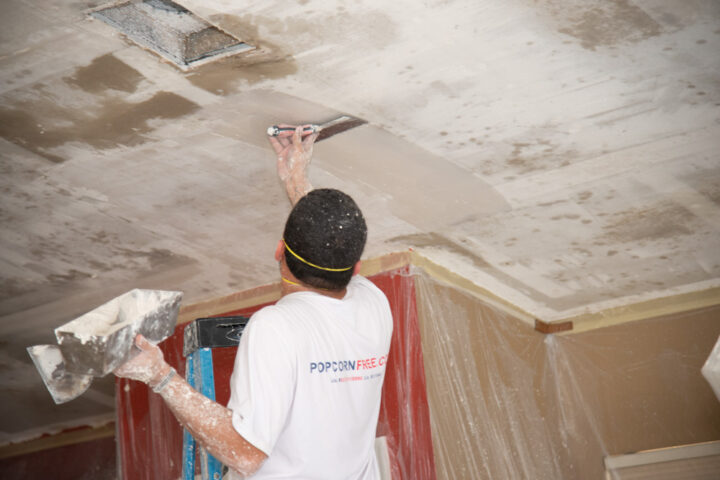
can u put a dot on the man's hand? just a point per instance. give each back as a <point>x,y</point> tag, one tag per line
<point>294,154</point>
<point>147,366</point>
<point>209,422</point>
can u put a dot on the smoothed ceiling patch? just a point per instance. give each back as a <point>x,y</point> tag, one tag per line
<point>172,31</point>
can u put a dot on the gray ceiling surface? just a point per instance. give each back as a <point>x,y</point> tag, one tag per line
<point>564,155</point>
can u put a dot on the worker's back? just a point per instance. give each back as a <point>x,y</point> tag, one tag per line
<point>307,383</point>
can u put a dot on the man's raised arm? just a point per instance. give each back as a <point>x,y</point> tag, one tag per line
<point>293,159</point>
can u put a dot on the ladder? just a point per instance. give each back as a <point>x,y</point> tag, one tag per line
<point>200,337</point>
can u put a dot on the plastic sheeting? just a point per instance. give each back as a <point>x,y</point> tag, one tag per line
<point>473,393</point>
<point>509,402</point>
<point>91,460</point>
<point>711,369</point>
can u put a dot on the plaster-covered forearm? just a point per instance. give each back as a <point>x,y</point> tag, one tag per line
<point>297,186</point>
<point>211,425</point>
<point>294,154</point>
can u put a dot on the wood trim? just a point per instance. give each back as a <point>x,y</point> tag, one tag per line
<point>234,301</point>
<point>564,325</point>
<point>672,304</point>
<point>61,439</point>
<point>648,457</point>
<point>552,328</point>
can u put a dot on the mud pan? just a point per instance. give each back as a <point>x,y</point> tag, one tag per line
<point>98,342</point>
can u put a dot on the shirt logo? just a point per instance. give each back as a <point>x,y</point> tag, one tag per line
<point>360,369</point>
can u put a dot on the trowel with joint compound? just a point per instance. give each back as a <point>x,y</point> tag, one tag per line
<point>325,129</point>
<point>98,342</point>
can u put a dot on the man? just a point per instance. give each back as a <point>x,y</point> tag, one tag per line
<point>307,379</point>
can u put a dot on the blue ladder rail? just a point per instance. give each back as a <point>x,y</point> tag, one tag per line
<point>199,375</point>
<point>201,336</point>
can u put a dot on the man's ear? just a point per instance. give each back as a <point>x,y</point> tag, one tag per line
<point>279,250</point>
<point>356,268</point>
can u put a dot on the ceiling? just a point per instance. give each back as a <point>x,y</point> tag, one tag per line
<point>564,155</point>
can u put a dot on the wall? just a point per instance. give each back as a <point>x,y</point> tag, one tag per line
<point>509,402</point>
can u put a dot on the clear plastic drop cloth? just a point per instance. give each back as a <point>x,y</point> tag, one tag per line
<point>509,402</point>
<point>711,369</point>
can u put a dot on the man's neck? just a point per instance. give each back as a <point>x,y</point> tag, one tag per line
<point>338,294</point>
<point>293,285</point>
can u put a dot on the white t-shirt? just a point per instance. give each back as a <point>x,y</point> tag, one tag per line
<point>307,383</point>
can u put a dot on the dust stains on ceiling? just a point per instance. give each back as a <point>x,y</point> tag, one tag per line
<point>39,123</point>
<point>636,224</point>
<point>588,247</point>
<point>105,73</point>
<point>228,75</point>
<point>113,123</point>
<point>70,241</point>
<point>603,24</point>
<point>106,264</point>
<point>538,155</point>
<point>706,183</point>
<point>74,234</point>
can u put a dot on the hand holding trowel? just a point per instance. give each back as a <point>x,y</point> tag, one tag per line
<point>98,342</point>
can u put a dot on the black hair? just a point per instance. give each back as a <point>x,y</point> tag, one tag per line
<point>327,229</point>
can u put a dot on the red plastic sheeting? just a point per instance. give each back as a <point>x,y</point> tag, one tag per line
<point>91,460</point>
<point>150,439</point>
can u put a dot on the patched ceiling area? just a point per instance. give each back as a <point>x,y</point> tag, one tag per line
<point>563,155</point>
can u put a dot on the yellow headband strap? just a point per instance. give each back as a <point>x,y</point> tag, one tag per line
<point>312,264</point>
<point>298,285</point>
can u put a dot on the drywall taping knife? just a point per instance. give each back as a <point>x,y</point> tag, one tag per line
<point>326,129</point>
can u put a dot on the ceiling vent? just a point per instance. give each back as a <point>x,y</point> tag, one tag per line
<point>171,31</point>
